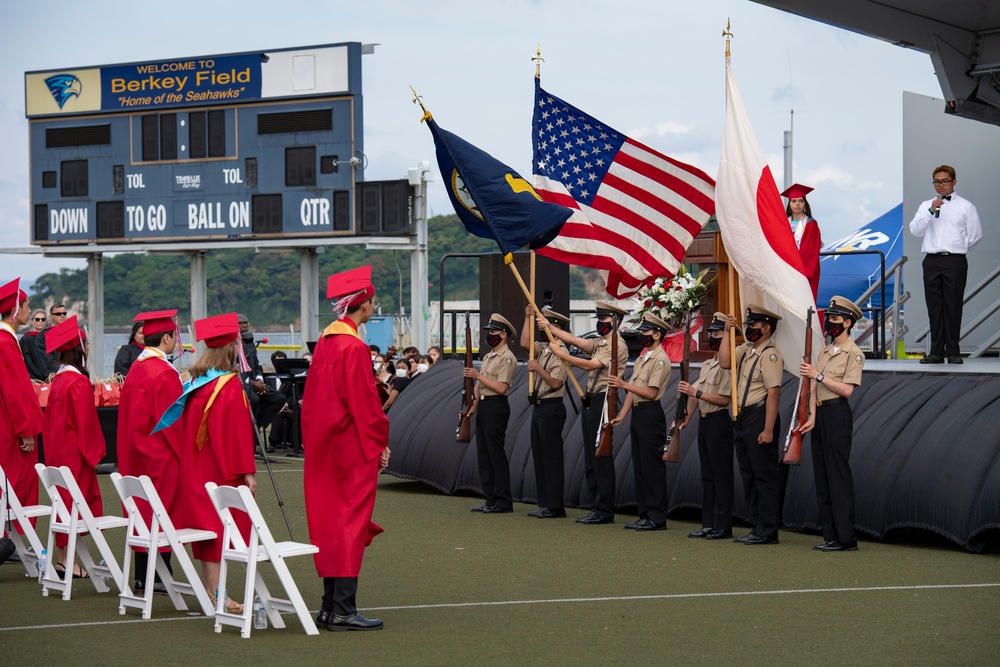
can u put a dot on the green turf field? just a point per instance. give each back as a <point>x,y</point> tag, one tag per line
<point>455,587</point>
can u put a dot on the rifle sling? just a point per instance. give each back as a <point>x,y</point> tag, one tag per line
<point>746,389</point>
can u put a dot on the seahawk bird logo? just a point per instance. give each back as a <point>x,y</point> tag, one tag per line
<point>63,87</point>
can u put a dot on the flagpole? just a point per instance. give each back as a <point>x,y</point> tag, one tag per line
<point>531,325</point>
<point>509,261</point>
<point>733,282</point>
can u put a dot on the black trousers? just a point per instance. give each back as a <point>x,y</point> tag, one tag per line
<point>265,406</point>
<point>598,471</point>
<point>547,421</point>
<point>831,449</point>
<point>648,429</point>
<point>944,290</point>
<point>759,469</point>
<point>715,451</point>
<point>491,436</point>
<point>340,595</point>
<point>142,561</point>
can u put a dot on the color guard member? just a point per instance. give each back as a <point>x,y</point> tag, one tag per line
<point>836,374</point>
<point>599,472</point>
<point>710,396</point>
<point>759,368</point>
<point>648,428</point>
<point>547,418</point>
<point>492,384</point>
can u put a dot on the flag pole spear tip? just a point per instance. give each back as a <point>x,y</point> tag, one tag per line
<point>727,33</point>
<point>418,99</point>
<point>508,258</point>
<point>538,60</point>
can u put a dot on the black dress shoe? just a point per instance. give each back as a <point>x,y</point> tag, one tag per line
<point>932,359</point>
<point>536,513</point>
<point>637,524</point>
<point>649,525</point>
<point>757,539</point>
<point>583,519</point>
<point>742,539</point>
<point>824,546</point>
<point>479,508</point>
<point>701,532</point>
<point>719,534</point>
<point>323,618</point>
<point>497,509</point>
<point>834,545</point>
<point>595,518</point>
<point>955,360</point>
<point>353,621</point>
<point>546,513</point>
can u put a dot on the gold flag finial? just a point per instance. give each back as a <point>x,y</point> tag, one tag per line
<point>727,33</point>
<point>418,99</point>
<point>538,60</point>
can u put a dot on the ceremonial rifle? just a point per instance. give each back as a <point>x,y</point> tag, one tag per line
<point>672,448</point>
<point>793,443</point>
<point>606,432</point>
<point>464,431</point>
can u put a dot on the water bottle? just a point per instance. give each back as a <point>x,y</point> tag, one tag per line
<point>259,614</point>
<point>225,597</point>
<point>41,565</point>
<point>103,575</point>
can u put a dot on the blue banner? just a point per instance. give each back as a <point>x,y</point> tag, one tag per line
<point>849,276</point>
<point>171,83</point>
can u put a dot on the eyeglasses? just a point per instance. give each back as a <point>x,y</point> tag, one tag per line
<point>62,314</point>
<point>944,181</point>
<point>39,319</point>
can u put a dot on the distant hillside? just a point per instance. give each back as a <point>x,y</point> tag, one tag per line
<point>265,286</point>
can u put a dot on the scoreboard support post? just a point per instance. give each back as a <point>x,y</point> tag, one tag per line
<point>309,297</point>
<point>95,313</point>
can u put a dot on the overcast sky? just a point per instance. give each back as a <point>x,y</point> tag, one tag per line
<point>651,68</point>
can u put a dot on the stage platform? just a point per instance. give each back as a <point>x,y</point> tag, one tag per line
<point>926,452</point>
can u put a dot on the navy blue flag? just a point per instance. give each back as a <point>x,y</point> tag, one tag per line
<point>491,199</point>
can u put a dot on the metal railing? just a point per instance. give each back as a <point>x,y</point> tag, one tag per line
<point>877,327</point>
<point>976,322</point>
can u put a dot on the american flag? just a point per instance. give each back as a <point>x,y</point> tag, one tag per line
<point>635,210</point>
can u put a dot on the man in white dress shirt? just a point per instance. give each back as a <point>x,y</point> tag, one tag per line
<point>950,227</point>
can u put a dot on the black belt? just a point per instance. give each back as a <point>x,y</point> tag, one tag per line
<point>644,404</point>
<point>946,254</point>
<point>543,401</point>
<point>715,413</point>
<point>487,398</point>
<point>758,404</point>
<point>831,401</point>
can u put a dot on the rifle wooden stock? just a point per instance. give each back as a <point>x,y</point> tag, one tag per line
<point>793,450</point>
<point>604,447</point>
<point>672,448</point>
<point>464,431</point>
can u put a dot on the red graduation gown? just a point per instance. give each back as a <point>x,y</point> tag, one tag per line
<point>20,417</point>
<point>809,252</point>
<point>73,437</point>
<point>226,457</point>
<point>152,385</point>
<point>343,432</point>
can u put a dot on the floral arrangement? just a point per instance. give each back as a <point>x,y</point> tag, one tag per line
<point>670,299</point>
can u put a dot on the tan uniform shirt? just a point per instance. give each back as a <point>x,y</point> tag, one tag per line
<point>843,365</point>
<point>713,379</point>
<point>499,366</point>
<point>554,367</point>
<point>600,349</point>
<point>766,375</point>
<point>651,370</point>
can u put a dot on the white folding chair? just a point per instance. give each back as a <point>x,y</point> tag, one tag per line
<point>13,512</point>
<point>160,532</point>
<point>261,547</point>
<point>75,521</point>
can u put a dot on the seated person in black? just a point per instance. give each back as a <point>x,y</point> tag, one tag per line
<point>399,383</point>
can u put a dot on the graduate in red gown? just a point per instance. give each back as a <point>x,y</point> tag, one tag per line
<point>806,232</point>
<point>213,421</point>
<point>345,436</point>
<point>72,432</point>
<point>20,416</point>
<point>151,386</point>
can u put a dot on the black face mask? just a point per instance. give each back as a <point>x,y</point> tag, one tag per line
<point>604,328</point>
<point>754,335</point>
<point>834,329</point>
<point>493,339</point>
<point>715,344</point>
<point>646,340</point>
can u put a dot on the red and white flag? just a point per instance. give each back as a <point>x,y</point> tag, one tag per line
<point>635,210</point>
<point>756,234</point>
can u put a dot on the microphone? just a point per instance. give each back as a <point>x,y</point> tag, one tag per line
<point>258,343</point>
<point>943,198</point>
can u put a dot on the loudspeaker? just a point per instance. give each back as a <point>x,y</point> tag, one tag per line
<point>499,292</point>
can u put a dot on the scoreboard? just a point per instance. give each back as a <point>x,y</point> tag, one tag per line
<point>266,144</point>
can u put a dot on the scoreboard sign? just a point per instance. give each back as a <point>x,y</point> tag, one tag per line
<point>251,145</point>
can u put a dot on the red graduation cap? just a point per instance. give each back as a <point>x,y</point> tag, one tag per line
<point>796,191</point>
<point>158,321</point>
<point>11,297</point>
<point>351,282</point>
<point>217,331</point>
<point>64,336</point>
